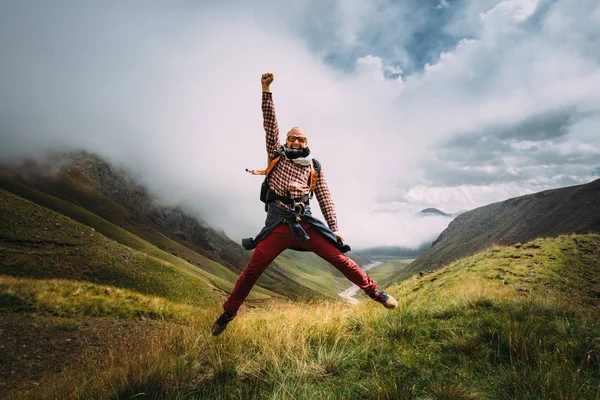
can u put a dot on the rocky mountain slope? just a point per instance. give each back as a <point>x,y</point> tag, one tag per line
<point>574,209</point>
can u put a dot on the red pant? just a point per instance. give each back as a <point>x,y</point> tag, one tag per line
<point>276,242</point>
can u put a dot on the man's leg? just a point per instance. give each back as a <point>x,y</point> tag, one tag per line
<point>265,252</point>
<point>320,245</point>
<point>325,249</point>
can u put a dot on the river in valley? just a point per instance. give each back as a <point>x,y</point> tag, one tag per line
<point>349,293</point>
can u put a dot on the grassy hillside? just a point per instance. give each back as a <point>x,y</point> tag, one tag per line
<point>358,258</point>
<point>69,299</point>
<point>518,322</point>
<point>387,272</point>
<point>161,246</point>
<point>313,272</point>
<point>384,253</point>
<point>80,190</point>
<point>33,245</point>
<point>550,213</point>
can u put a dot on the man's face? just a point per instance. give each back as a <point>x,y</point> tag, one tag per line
<point>296,139</point>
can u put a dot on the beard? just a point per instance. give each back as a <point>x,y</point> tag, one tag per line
<point>296,153</point>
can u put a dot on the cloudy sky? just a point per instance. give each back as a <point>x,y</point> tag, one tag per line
<point>408,104</point>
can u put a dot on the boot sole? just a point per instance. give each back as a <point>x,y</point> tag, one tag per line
<point>217,329</point>
<point>391,304</point>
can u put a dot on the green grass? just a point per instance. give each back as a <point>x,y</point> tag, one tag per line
<point>33,246</point>
<point>386,272</point>
<point>516,322</point>
<point>212,271</point>
<point>314,272</point>
<point>67,298</point>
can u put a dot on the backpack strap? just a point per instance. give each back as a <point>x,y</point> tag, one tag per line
<point>315,169</point>
<point>272,164</point>
<point>265,171</point>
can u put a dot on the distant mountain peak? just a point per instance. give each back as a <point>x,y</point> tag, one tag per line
<point>433,211</point>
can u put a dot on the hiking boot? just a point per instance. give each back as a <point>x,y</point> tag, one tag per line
<point>384,298</point>
<point>221,323</point>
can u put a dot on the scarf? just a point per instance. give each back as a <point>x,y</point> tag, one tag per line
<point>299,156</point>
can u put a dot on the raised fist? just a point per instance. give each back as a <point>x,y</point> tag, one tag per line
<point>267,78</point>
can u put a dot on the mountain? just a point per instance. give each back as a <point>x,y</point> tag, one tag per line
<point>433,211</point>
<point>550,213</point>
<point>86,188</point>
<point>90,309</point>
<point>36,242</point>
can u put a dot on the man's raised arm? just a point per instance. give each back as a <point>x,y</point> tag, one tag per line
<point>269,119</point>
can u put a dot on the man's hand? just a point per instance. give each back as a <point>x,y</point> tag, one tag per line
<point>339,236</point>
<point>266,80</point>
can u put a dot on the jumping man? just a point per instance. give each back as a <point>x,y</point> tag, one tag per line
<point>291,177</point>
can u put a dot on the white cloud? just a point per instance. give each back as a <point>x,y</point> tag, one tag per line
<point>173,93</point>
<point>443,4</point>
<point>516,10</point>
<point>469,196</point>
<point>394,69</point>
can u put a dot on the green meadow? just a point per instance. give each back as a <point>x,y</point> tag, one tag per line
<point>517,322</point>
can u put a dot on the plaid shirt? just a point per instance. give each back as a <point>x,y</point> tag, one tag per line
<point>287,175</point>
